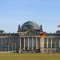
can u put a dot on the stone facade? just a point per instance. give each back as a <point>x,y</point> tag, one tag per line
<point>28,39</point>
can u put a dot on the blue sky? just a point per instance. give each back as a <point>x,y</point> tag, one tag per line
<point>15,12</point>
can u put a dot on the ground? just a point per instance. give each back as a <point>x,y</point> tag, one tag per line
<point>17,56</point>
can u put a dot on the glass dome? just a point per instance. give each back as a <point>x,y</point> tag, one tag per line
<point>29,25</point>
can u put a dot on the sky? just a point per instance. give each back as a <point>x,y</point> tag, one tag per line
<point>15,12</point>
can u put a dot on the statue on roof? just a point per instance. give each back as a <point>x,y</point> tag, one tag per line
<point>19,28</point>
<point>41,29</point>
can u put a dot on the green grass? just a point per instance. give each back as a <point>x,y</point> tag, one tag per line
<point>14,56</point>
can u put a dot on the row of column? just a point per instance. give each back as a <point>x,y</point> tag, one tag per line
<point>41,43</point>
<point>28,43</point>
<point>47,43</point>
<point>53,44</point>
<point>7,44</point>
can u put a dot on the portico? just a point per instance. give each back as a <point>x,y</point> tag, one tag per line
<point>29,43</point>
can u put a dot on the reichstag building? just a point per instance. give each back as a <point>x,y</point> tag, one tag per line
<point>28,40</point>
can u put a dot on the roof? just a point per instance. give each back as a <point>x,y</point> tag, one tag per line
<point>30,25</point>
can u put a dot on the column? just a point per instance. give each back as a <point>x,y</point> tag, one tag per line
<point>8,44</point>
<point>47,42</point>
<point>24,43</point>
<point>15,46</point>
<point>12,45</point>
<point>36,44</point>
<point>42,42</point>
<point>20,46</point>
<point>28,42</point>
<point>51,43</point>
<point>55,43</point>
<point>59,43</point>
<point>20,43</point>
<point>32,44</point>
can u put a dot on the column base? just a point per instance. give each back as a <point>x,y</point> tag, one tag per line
<point>42,50</point>
<point>20,50</point>
<point>36,48</point>
<point>23,48</point>
<point>28,48</point>
<point>32,48</point>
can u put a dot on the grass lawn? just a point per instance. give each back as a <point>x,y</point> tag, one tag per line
<point>14,56</point>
